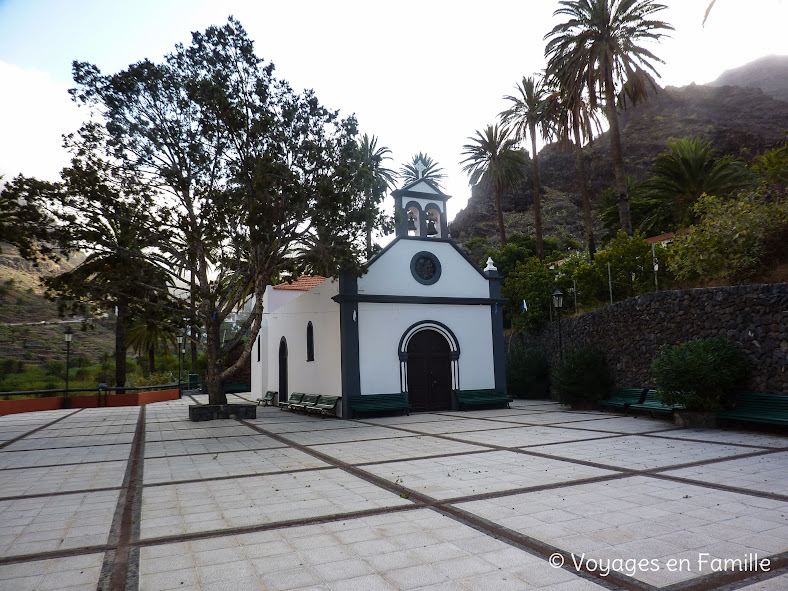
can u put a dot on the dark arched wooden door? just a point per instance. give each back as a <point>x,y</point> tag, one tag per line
<point>429,371</point>
<point>283,370</point>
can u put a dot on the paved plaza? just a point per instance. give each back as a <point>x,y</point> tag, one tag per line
<point>532,497</point>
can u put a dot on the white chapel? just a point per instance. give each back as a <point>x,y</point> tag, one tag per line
<point>423,321</point>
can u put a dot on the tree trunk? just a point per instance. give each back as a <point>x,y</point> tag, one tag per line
<point>151,358</point>
<point>369,226</point>
<point>120,343</point>
<point>499,211</point>
<point>618,159</point>
<point>213,380</point>
<point>537,194</point>
<point>584,193</point>
<point>193,313</point>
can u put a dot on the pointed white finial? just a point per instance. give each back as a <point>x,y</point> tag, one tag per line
<point>490,266</point>
<point>420,168</point>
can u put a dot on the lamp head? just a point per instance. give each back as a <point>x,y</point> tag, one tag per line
<point>558,299</point>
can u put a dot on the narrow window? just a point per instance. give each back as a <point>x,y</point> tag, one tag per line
<point>310,342</point>
<point>258,347</point>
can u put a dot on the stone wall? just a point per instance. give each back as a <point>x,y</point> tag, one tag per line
<point>630,333</point>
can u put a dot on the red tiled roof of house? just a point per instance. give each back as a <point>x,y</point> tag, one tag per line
<point>668,236</point>
<point>303,283</point>
<point>661,237</point>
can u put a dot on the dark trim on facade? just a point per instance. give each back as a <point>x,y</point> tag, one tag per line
<point>496,321</point>
<point>405,191</point>
<point>399,299</point>
<point>414,271</point>
<point>348,338</point>
<point>403,354</point>
<point>464,254</point>
<point>310,341</point>
<point>384,251</point>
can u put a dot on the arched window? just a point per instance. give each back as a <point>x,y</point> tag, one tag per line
<point>310,342</point>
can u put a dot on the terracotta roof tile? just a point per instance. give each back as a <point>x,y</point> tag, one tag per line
<point>303,283</point>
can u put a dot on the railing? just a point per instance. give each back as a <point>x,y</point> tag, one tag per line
<point>101,391</point>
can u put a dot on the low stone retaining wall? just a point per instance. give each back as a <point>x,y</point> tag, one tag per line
<point>630,333</point>
<point>8,407</point>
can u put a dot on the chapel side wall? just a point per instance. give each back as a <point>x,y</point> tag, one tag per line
<point>381,327</point>
<point>260,362</point>
<point>323,375</point>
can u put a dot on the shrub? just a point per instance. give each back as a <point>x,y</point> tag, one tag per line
<point>731,240</point>
<point>527,373</point>
<point>582,376</point>
<point>56,369</point>
<point>700,374</point>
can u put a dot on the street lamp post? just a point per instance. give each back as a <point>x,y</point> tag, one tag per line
<point>558,302</point>
<point>69,335</point>
<point>179,338</point>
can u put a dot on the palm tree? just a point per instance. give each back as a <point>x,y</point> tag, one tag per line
<point>599,45</point>
<point>568,112</point>
<point>526,113</point>
<point>493,160</point>
<point>429,170</point>
<point>149,331</point>
<point>377,179</point>
<point>680,176</point>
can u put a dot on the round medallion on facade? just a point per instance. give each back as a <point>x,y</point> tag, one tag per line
<point>425,267</point>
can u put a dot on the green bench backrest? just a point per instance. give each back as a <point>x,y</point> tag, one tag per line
<point>295,397</point>
<point>627,393</point>
<point>328,399</point>
<point>777,403</point>
<point>309,399</point>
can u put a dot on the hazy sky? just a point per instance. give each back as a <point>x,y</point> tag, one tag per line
<point>421,75</point>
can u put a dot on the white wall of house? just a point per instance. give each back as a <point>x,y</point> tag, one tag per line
<point>390,274</point>
<point>321,376</point>
<point>260,361</point>
<point>381,327</point>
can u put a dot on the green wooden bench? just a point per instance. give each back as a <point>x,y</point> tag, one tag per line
<point>758,408</point>
<point>294,398</point>
<point>654,406</point>
<point>236,387</point>
<point>306,402</point>
<point>490,397</point>
<point>378,403</point>
<point>326,405</point>
<point>267,399</point>
<point>623,398</point>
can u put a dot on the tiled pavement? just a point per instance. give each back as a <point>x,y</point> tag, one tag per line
<point>141,498</point>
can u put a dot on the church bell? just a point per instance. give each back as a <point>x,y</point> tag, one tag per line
<point>411,222</point>
<point>431,230</point>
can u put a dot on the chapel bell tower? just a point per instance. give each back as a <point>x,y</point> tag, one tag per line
<point>420,210</point>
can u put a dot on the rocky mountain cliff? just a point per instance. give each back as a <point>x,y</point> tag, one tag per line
<point>738,120</point>
<point>769,73</point>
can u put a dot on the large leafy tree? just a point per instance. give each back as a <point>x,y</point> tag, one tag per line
<point>601,46</point>
<point>377,180</point>
<point>422,166</point>
<point>529,111</point>
<point>493,161</point>
<point>106,213</point>
<point>24,219</point>
<point>245,169</point>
